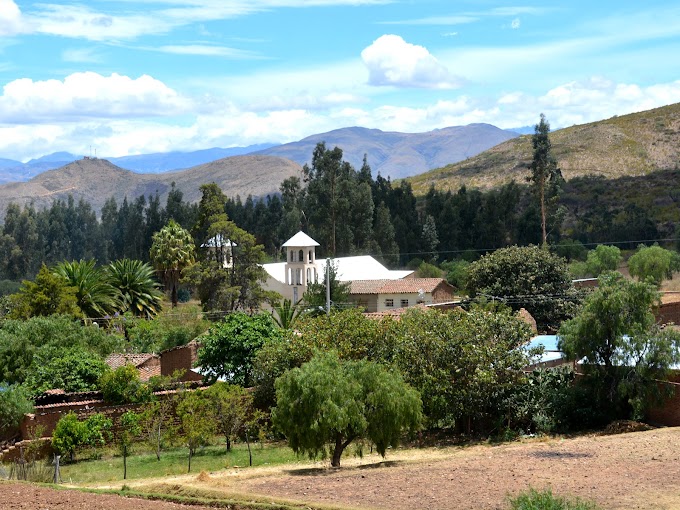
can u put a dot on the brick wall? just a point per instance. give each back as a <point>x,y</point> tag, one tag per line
<point>668,413</point>
<point>181,358</point>
<point>668,312</point>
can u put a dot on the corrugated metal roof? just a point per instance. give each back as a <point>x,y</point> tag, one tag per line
<point>363,267</point>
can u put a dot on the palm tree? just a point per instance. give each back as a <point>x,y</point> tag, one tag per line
<point>172,250</point>
<point>96,296</point>
<point>138,289</point>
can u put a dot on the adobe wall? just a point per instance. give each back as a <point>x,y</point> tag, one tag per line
<point>668,312</point>
<point>181,358</point>
<point>668,413</point>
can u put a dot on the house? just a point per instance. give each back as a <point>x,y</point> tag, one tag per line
<point>301,268</point>
<point>181,358</point>
<point>384,295</point>
<point>219,248</point>
<point>668,311</point>
<point>148,365</point>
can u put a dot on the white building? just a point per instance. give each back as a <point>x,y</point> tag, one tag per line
<point>291,278</point>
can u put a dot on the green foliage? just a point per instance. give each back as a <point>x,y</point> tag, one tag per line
<point>347,332</point>
<point>427,270</point>
<point>622,347</point>
<point>49,294</point>
<point>545,175</point>
<point>526,277</point>
<point>96,297</point>
<point>229,348</point>
<point>570,249</point>
<point>14,403</point>
<point>603,258</point>
<point>167,330</point>
<point>157,421</point>
<point>197,417</point>
<point>122,386</point>
<point>74,369</point>
<point>457,272</point>
<point>286,313</point>
<point>546,500</point>
<point>236,284</point>
<point>130,428</point>
<point>461,362</point>
<point>233,408</point>
<point>138,289</point>
<point>315,296</point>
<point>24,344</point>
<point>172,251</point>
<point>652,262</point>
<point>332,401</point>
<point>70,434</point>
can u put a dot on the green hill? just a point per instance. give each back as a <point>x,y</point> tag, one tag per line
<point>626,146</point>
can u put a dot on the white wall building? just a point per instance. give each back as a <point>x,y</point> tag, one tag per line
<point>291,278</point>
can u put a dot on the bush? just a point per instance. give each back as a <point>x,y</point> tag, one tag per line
<point>546,500</point>
<point>14,403</point>
<point>122,386</point>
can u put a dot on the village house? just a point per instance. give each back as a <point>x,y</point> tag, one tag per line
<point>301,268</point>
<point>384,295</point>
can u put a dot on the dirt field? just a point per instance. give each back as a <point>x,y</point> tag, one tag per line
<point>635,470</point>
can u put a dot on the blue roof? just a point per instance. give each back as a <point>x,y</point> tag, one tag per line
<point>550,349</point>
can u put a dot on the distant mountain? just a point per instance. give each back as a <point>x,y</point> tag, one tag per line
<point>8,163</point>
<point>623,146</point>
<point>14,171</point>
<point>524,130</point>
<point>168,161</point>
<point>398,154</point>
<point>95,180</point>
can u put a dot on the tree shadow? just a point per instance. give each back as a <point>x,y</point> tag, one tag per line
<point>331,471</point>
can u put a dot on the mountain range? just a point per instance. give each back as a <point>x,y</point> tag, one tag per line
<point>392,154</point>
<point>622,146</point>
<point>95,180</point>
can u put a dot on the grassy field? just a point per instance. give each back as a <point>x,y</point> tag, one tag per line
<point>173,462</point>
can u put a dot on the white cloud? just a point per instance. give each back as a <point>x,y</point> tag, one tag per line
<point>80,55</point>
<point>392,61</point>
<point>10,18</point>
<point>206,50</point>
<point>434,20</point>
<point>87,95</point>
<point>515,24</point>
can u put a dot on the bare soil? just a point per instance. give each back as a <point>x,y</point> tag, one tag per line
<point>624,471</point>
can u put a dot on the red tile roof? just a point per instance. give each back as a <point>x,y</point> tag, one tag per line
<point>120,360</point>
<point>402,286</point>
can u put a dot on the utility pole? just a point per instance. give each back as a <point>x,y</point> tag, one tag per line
<point>328,287</point>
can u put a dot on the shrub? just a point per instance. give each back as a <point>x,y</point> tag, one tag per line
<point>546,500</point>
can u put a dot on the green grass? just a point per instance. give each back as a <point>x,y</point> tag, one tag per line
<point>173,462</point>
<point>546,500</point>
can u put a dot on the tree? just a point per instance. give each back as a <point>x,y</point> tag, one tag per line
<point>332,401</point>
<point>603,258</point>
<point>526,277</point>
<point>430,238</point>
<point>73,369</point>
<point>49,294</point>
<point>197,418</point>
<point>130,428</point>
<point>95,296</point>
<point>236,285</point>
<point>14,403</point>
<point>172,251</point>
<point>123,386</point>
<point>70,434</point>
<point>545,174</point>
<point>234,410</point>
<point>138,289</point>
<point>620,344</point>
<point>652,262</point>
<point>461,362</point>
<point>157,421</point>
<point>315,295</point>
<point>229,348</point>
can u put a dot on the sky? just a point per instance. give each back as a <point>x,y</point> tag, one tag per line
<point>141,76</point>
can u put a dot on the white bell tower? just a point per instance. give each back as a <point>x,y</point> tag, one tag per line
<point>300,263</point>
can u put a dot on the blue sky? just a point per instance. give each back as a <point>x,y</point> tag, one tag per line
<point>130,77</point>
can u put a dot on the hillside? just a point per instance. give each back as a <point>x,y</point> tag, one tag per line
<point>629,145</point>
<point>398,155</point>
<point>95,180</point>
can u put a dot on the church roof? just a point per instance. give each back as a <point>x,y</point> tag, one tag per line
<point>363,267</point>
<point>300,240</point>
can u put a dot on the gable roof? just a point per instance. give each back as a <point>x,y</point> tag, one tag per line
<point>402,286</point>
<point>120,360</point>
<point>301,240</point>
